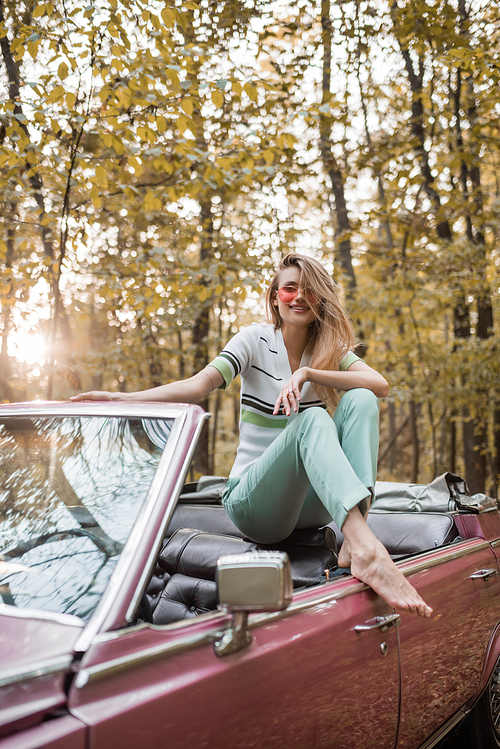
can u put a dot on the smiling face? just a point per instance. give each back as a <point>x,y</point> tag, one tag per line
<point>298,311</point>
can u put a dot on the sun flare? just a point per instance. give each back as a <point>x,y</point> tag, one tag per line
<point>29,347</point>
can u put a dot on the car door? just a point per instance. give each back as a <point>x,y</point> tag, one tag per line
<point>442,657</point>
<point>308,679</point>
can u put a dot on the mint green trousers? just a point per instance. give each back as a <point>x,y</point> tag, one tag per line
<point>317,470</point>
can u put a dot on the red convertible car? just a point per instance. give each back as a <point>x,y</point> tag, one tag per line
<point>134,614</point>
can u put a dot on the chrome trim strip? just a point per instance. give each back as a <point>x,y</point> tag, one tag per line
<point>155,549</point>
<point>51,616</point>
<point>38,670</point>
<point>116,634</point>
<point>494,544</point>
<point>298,608</point>
<point>467,547</point>
<point>119,575</point>
<point>124,409</point>
<point>441,732</point>
<point>150,655</point>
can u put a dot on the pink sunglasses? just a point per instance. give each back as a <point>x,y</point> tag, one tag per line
<point>288,293</point>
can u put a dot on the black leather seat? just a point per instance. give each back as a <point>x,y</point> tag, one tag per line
<point>188,563</point>
<point>203,517</point>
<point>405,533</point>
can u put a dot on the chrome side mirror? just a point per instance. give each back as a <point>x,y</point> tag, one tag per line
<point>256,581</point>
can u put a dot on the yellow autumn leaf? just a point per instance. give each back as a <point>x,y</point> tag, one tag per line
<point>187,106</point>
<point>168,17</point>
<point>95,197</point>
<point>268,156</point>
<point>118,145</point>
<point>218,98</point>
<point>101,174</point>
<point>250,91</point>
<point>62,71</point>
<point>33,48</point>
<point>55,94</point>
<point>152,203</point>
<point>182,123</point>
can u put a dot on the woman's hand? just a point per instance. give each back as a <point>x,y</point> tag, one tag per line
<point>99,395</point>
<point>291,393</point>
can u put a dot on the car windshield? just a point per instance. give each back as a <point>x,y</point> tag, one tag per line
<point>70,491</point>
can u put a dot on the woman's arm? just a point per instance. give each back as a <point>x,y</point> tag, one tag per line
<point>191,390</point>
<point>359,375</point>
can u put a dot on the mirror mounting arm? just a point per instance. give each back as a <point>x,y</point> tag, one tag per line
<point>236,637</point>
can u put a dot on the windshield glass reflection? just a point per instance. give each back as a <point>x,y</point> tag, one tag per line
<point>70,491</point>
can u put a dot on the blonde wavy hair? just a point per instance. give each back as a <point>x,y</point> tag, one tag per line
<point>331,335</point>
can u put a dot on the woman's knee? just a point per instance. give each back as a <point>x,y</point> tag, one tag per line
<point>315,416</point>
<point>361,399</point>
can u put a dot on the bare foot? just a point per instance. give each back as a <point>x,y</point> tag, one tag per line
<point>370,562</point>
<point>375,568</point>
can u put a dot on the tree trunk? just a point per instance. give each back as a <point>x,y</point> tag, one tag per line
<point>495,459</point>
<point>182,361</point>
<point>200,334</point>
<point>453,446</point>
<point>343,230</point>
<point>391,410</point>
<point>415,444</point>
<point>6,393</point>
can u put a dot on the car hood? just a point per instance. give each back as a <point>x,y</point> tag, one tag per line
<point>37,651</point>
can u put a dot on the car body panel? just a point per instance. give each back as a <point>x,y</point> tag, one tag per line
<point>37,651</point>
<point>288,688</point>
<point>59,733</point>
<point>442,657</point>
<point>482,525</point>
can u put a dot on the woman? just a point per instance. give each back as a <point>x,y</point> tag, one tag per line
<point>297,467</point>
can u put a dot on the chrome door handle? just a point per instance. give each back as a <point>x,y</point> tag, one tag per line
<point>380,622</point>
<point>483,574</point>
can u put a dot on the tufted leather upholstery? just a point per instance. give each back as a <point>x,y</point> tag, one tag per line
<point>194,553</point>
<point>185,597</point>
<point>189,560</point>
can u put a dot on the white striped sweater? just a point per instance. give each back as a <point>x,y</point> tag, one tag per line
<point>259,356</point>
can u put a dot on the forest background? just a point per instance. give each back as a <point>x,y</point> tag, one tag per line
<point>158,157</point>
